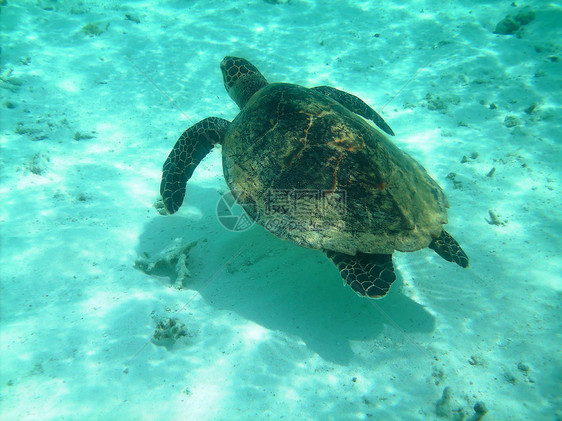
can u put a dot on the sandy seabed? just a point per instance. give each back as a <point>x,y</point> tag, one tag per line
<point>109,310</point>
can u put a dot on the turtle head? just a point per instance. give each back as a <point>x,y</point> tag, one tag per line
<point>241,79</point>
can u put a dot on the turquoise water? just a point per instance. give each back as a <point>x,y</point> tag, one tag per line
<point>111,310</point>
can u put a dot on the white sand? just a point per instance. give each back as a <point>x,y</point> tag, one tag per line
<point>271,333</point>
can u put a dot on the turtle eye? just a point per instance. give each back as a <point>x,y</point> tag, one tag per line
<point>228,63</point>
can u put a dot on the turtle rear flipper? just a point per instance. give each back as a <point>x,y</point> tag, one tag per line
<point>368,275</point>
<point>192,146</point>
<point>448,248</point>
<point>355,104</point>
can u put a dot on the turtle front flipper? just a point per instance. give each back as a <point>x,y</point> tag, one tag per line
<point>448,248</point>
<point>368,275</point>
<point>192,146</point>
<point>355,104</point>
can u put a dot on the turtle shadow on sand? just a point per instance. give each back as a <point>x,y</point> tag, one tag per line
<point>283,287</point>
<point>307,164</point>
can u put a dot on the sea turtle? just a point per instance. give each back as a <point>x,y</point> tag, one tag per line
<point>305,164</point>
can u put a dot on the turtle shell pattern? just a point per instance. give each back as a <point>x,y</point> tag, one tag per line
<point>313,172</point>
